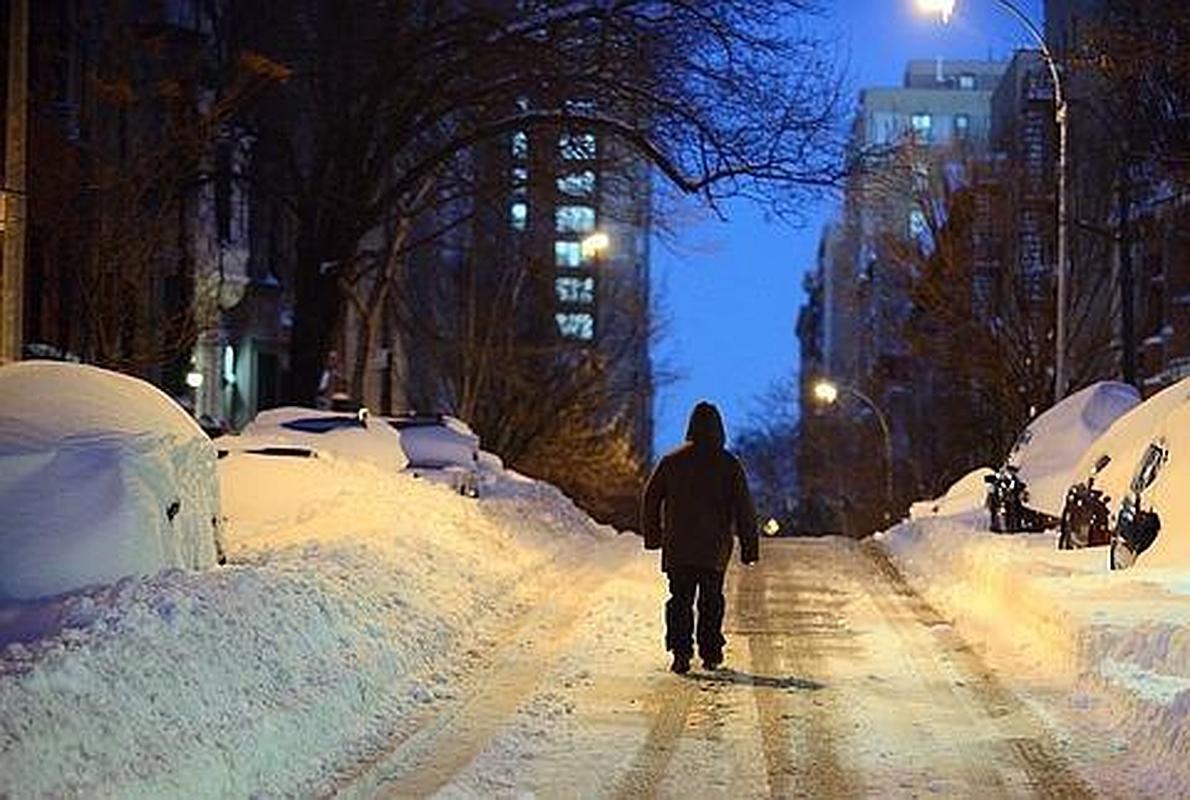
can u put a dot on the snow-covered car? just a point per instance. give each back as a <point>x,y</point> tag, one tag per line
<point>293,431</point>
<point>1154,513</point>
<point>440,448</point>
<point>1028,492</point>
<point>102,476</point>
<point>965,495</point>
<point>1105,471</point>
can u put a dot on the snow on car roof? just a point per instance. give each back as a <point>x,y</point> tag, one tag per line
<point>45,402</point>
<point>1053,444</point>
<point>327,433</point>
<point>1125,441</point>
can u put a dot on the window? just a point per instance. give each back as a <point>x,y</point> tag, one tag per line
<point>577,184</point>
<point>520,180</point>
<point>962,124</point>
<point>576,325</point>
<point>574,219</point>
<point>917,224</point>
<point>577,147</point>
<point>575,290</point>
<point>520,145</point>
<point>966,81</point>
<point>921,125</point>
<point>518,216</point>
<point>568,254</point>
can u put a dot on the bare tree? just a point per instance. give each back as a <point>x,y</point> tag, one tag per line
<point>717,96</point>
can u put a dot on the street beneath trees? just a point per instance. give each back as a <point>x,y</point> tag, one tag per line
<point>840,681</point>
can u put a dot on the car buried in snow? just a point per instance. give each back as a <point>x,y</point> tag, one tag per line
<point>440,448</point>
<point>1029,490</point>
<point>102,477</point>
<point>1106,471</point>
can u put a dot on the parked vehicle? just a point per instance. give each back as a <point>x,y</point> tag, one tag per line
<point>440,448</point>
<point>102,476</point>
<point>1029,491</point>
<point>1139,523</point>
<point>1006,504</point>
<point>1110,464</point>
<point>1085,517</point>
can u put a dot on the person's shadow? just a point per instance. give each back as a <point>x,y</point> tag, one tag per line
<point>727,675</point>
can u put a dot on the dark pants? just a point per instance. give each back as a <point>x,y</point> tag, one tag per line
<point>684,582</point>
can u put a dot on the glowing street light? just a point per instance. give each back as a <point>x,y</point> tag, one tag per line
<point>827,392</point>
<point>945,8</point>
<point>595,244</point>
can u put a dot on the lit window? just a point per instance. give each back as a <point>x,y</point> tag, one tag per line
<point>966,81</point>
<point>520,145</point>
<point>576,325</point>
<point>577,147</point>
<point>921,124</point>
<point>574,219</point>
<point>520,180</point>
<point>577,184</point>
<point>917,224</point>
<point>568,254</point>
<point>518,216</point>
<point>575,290</point>
<point>962,124</point>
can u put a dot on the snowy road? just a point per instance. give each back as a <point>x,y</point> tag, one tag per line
<point>840,682</point>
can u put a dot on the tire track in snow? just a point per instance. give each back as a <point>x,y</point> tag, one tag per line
<point>673,699</point>
<point>784,652</point>
<point>427,759</point>
<point>1035,754</point>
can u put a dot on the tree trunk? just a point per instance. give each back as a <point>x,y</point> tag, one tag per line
<point>316,316</point>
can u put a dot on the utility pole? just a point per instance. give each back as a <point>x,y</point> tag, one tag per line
<point>12,281</point>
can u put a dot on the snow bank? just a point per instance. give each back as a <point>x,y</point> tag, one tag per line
<point>1115,645</point>
<point>1052,445</point>
<point>102,476</point>
<point>967,494</point>
<point>354,597</point>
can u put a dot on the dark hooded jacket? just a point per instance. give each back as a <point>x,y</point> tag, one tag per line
<point>697,499</point>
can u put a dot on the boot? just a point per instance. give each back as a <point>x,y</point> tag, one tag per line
<point>681,663</point>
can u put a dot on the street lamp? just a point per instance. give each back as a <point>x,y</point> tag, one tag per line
<point>827,392</point>
<point>594,245</point>
<point>945,8</point>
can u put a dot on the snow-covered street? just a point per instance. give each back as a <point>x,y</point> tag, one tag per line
<point>840,681</point>
<point>379,635</point>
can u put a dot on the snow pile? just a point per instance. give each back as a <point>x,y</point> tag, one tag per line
<point>1115,646</point>
<point>353,597</point>
<point>967,494</point>
<point>102,476</point>
<point>1049,451</point>
<point>1125,441</point>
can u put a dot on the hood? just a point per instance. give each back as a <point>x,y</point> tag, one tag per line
<point>706,426</point>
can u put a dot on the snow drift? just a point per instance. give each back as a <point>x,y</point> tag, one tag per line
<point>102,476</point>
<point>1110,649</point>
<point>355,597</point>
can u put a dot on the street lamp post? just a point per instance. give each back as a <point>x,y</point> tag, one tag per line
<point>945,8</point>
<point>827,392</point>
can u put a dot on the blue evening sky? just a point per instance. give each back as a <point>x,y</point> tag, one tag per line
<point>730,291</point>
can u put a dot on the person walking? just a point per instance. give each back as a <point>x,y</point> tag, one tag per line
<point>694,503</point>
